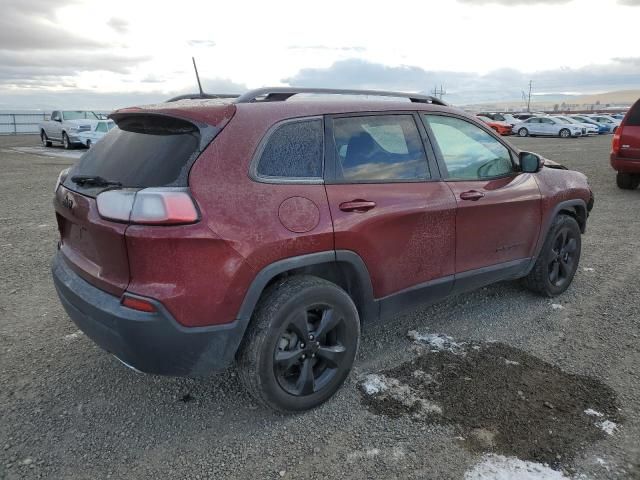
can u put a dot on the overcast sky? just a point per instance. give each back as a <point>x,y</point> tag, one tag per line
<point>107,54</point>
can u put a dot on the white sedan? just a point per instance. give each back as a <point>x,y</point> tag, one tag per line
<point>590,127</point>
<point>551,126</point>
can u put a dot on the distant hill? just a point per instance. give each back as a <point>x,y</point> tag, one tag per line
<point>620,96</point>
<point>548,101</point>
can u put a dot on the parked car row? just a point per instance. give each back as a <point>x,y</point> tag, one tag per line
<point>542,124</point>
<point>74,128</point>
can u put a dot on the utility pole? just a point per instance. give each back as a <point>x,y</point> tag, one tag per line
<point>439,93</point>
<point>527,98</point>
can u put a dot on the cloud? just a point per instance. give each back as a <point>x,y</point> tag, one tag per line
<point>464,87</point>
<point>120,25</point>
<point>513,3</point>
<point>30,24</point>
<point>201,43</point>
<point>510,3</point>
<point>48,69</point>
<point>219,85</point>
<point>357,49</point>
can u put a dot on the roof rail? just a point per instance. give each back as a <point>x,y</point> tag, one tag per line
<point>195,96</point>
<point>280,94</point>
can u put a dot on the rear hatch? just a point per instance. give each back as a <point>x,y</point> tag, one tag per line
<point>629,132</point>
<point>148,149</point>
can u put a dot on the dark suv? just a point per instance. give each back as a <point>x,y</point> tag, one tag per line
<point>263,229</point>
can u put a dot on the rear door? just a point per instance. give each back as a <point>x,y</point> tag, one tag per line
<point>387,202</point>
<point>533,125</point>
<point>145,151</point>
<point>499,209</point>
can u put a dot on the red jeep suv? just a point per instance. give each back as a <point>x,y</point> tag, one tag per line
<point>262,230</point>
<point>625,150</point>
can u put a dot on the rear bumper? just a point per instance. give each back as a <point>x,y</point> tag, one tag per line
<point>150,342</point>
<point>625,165</point>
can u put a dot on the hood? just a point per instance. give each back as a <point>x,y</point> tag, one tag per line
<point>551,164</point>
<point>82,121</point>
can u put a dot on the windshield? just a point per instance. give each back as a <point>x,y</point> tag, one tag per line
<point>78,115</point>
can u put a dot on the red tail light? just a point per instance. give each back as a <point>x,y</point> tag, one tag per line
<point>137,304</point>
<point>150,206</point>
<point>615,143</point>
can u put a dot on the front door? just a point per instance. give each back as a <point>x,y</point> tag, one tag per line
<point>388,204</point>
<point>499,208</point>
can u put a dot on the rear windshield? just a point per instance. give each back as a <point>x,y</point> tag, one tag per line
<point>143,151</point>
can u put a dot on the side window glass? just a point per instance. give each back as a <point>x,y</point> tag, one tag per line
<point>293,150</point>
<point>55,116</point>
<point>102,127</point>
<point>469,152</point>
<point>379,148</point>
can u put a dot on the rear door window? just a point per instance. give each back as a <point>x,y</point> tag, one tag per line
<point>294,150</point>
<point>145,151</point>
<point>378,148</point>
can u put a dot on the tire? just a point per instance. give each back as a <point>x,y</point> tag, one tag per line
<point>65,141</point>
<point>275,359</point>
<point>44,139</point>
<point>627,181</point>
<point>558,260</point>
<point>565,133</point>
<point>523,132</point>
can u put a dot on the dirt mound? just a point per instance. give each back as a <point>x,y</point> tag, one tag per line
<point>503,400</point>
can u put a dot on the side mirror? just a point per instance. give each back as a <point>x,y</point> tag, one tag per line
<point>530,162</point>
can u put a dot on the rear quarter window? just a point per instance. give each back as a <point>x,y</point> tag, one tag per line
<point>293,150</point>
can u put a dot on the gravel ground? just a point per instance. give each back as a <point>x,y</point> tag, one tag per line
<point>68,410</point>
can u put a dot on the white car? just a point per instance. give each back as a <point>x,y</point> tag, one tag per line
<point>613,123</point>
<point>65,125</point>
<point>99,130</point>
<point>551,126</point>
<point>591,128</point>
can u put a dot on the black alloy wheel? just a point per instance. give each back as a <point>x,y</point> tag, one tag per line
<point>301,344</point>
<point>562,257</point>
<point>311,350</point>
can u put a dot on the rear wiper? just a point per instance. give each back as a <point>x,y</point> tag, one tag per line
<point>94,180</point>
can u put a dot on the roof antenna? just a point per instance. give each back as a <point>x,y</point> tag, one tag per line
<point>197,77</point>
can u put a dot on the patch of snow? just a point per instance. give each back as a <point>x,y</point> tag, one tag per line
<point>73,336</point>
<point>395,454</point>
<point>511,362</point>
<point>608,426</point>
<point>391,388</point>
<point>499,467</point>
<point>557,306</point>
<point>600,461</point>
<point>588,269</point>
<point>593,413</point>
<point>438,342</point>
<point>374,383</point>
